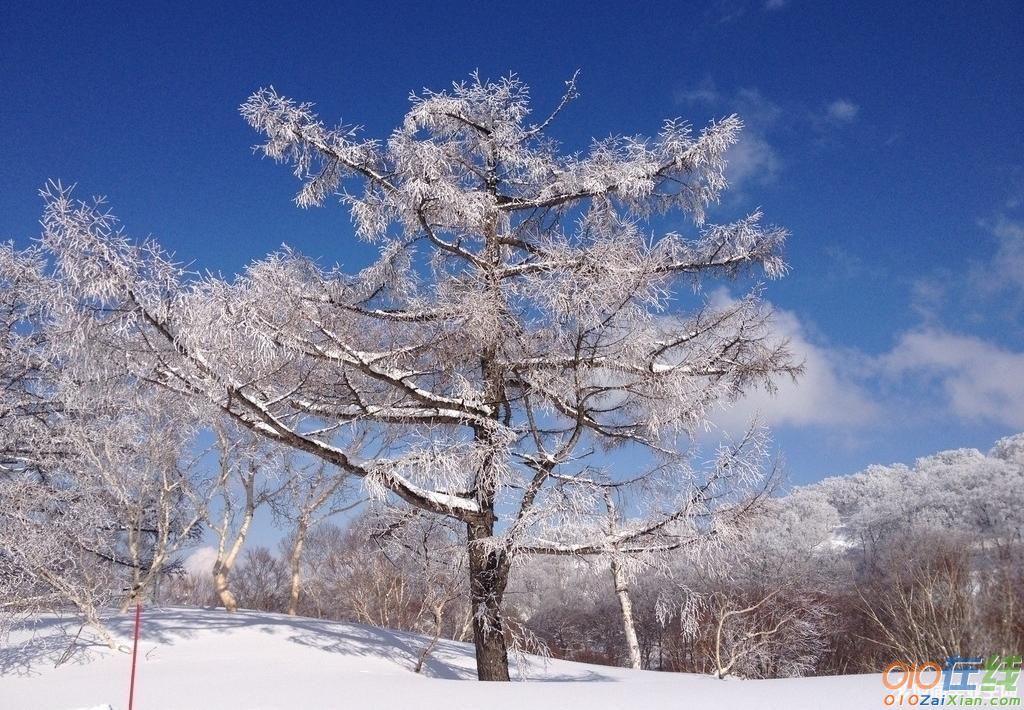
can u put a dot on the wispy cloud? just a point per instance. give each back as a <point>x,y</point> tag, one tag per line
<point>985,288</point>
<point>929,295</point>
<point>842,111</point>
<point>966,376</point>
<point>1005,270</point>
<point>827,394</point>
<point>728,11</point>
<point>931,374</point>
<point>724,12</point>
<point>704,93</point>
<point>754,159</point>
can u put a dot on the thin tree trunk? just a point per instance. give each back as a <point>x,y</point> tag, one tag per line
<point>225,563</point>
<point>133,551</point>
<point>488,577</point>
<point>720,669</point>
<point>628,622</point>
<point>157,579</point>
<point>622,590</point>
<point>296,566</point>
<point>467,626</point>
<point>425,653</point>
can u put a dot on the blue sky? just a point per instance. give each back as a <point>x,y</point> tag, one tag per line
<point>887,138</point>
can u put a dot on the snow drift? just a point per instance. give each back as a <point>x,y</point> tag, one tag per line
<point>195,658</point>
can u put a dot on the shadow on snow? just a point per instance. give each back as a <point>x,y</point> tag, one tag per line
<point>51,637</point>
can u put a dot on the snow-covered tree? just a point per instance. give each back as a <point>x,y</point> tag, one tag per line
<point>96,488</point>
<point>933,555</point>
<point>755,605</point>
<point>153,496</point>
<point>524,312</point>
<point>44,519</point>
<point>27,404</point>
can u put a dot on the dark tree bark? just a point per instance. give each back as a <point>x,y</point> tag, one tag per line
<point>488,577</point>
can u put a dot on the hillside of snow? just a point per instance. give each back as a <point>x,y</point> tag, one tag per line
<point>195,658</point>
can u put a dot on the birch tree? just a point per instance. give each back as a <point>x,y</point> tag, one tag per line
<point>241,488</point>
<point>524,314</point>
<point>309,495</point>
<point>620,581</point>
<point>744,463</point>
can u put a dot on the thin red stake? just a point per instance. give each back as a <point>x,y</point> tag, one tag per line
<point>135,649</point>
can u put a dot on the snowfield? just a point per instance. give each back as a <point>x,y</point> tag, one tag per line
<point>196,658</point>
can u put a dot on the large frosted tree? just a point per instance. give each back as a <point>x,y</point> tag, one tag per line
<point>523,316</point>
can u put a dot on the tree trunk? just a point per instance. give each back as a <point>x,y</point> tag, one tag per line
<point>128,601</point>
<point>438,612</point>
<point>133,551</point>
<point>622,589</point>
<point>220,586</point>
<point>488,576</point>
<point>467,626</point>
<point>226,562</point>
<point>721,668</point>
<point>628,623</point>
<point>157,579</point>
<point>296,565</point>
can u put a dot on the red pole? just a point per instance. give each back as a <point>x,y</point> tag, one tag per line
<point>135,648</point>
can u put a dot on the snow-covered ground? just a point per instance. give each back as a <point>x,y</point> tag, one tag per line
<point>193,659</point>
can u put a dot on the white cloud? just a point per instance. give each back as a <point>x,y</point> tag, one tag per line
<point>704,93</point>
<point>756,109</point>
<point>977,380</point>
<point>931,373</point>
<point>1006,268</point>
<point>826,394</point>
<point>775,4</point>
<point>201,561</point>
<point>842,111</point>
<point>752,159</point>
